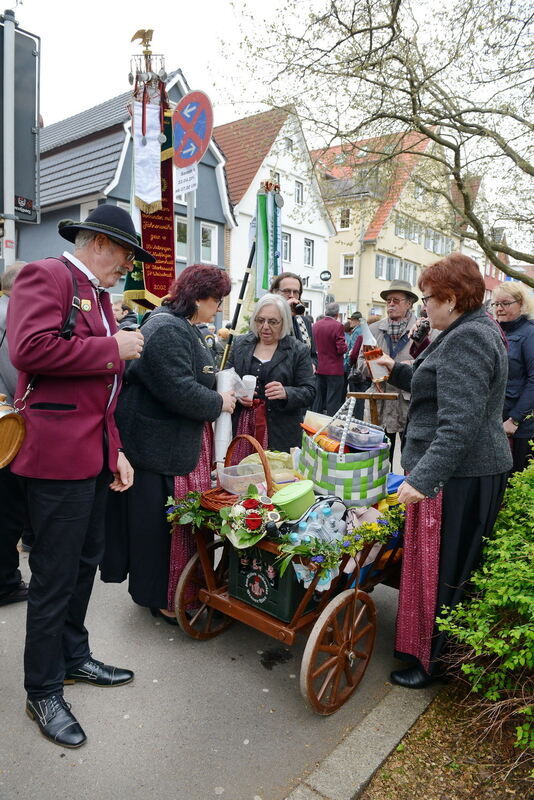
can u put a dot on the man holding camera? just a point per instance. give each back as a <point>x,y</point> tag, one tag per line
<point>289,286</point>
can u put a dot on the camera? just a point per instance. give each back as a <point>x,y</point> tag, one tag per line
<point>299,308</point>
<point>421,331</point>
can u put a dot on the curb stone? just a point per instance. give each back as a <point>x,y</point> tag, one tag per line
<point>347,770</point>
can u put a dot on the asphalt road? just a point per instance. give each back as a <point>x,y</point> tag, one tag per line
<point>201,720</point>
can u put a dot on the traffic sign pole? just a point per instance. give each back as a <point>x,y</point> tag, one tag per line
<point>191,250</point>
<point>9,135</point>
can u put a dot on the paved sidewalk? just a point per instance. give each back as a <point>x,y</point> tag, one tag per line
<point>201,720</point>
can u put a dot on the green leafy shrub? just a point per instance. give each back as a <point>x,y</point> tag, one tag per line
<point>492,632</point>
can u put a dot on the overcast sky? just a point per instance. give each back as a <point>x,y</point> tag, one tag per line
<point>86,48</point>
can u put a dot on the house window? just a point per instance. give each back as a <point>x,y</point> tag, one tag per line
<point>288,144</point>
<point>286,247</point>
<point>344,219</point>
<point>380,266</point>
<point>393,269</point>
<point>208,243</point>
<point>299,193</point>
<point>340,158</point>
<point>308,252</point>
<point>409,272</point>
<point>419,192</point>
<point>276,177</point>
<point>399,226</point>
<point>347,266</point>
<point>181,238</point>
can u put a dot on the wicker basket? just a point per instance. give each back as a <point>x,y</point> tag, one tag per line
<point>215,499</point>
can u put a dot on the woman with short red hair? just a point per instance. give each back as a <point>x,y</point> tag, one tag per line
<point>164,413</point>
<point>456,457</point>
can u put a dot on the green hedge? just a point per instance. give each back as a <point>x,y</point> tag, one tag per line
<point>493,630</point>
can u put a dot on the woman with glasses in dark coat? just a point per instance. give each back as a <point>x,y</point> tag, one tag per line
<point>164,414</point>
<point>514,310</point>
<point>285,385</point>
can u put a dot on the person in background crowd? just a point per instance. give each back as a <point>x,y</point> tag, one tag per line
<point>352,331</point>
<point>392,336</point>
<point>351,334</point>
<point>125,317</point>
<point>71,450</point>
<point>513,307</point>
<point>285,385</point>
<point>164,415</point>
<point>289,286</point>
<point>456,458</point>
<point>13,521</point>
<point>331,346</point>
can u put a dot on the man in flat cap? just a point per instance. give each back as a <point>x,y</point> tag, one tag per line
<point>392,335</point>
<point>64,341</point>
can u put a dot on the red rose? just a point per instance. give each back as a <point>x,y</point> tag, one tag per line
<point>253,521</point>
<point>269,507</point>
<point>250,502</point>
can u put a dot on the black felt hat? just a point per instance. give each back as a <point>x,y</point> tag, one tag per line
<point>111,220</point>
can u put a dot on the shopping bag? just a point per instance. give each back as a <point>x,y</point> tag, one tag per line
<point>360,478</point>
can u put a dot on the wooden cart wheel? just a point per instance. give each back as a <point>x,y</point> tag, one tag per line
<point>203,622</point>
<point>338,651</point>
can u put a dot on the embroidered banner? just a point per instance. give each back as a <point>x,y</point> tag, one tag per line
<point>148,284</point>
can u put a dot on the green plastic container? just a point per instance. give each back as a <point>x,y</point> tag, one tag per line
<point>255,579</point>
<point>294,499</point>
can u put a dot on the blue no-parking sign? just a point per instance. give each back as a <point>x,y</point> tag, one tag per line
<point>192,124</point>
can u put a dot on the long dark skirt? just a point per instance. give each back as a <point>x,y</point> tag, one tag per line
<point>469,510</point>
<point>138,538</point>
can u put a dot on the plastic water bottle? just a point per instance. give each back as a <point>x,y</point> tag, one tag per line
<point>315,529</point>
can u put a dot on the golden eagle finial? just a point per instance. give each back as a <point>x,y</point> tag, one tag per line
<point>146,38</point>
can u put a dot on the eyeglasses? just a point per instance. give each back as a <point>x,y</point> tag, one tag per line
<point>503,303</point>
<point>130,255</point>
<point>290,292</point>
<point>426,299</point>
<point>271,323</point>
<point>396,300</point>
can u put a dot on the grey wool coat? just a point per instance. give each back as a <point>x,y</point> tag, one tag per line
<point>454,426</point>
<point>291,365</point>
<point>167,396</point>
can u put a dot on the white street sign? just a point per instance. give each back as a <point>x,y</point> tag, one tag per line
<point>185,180</point>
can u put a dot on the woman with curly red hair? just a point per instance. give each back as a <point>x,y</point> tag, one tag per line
<point>456,458</point>
<point>164,413</point>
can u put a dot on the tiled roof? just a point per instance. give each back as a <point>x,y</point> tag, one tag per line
<point>341,161</point>
<point>81,169</point>
<point>99,118</point>
<point>245,143</point>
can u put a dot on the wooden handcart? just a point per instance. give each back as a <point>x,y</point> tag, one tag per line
<point>340,625</point>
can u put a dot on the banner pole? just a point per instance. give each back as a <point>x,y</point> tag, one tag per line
<point>237,311</point>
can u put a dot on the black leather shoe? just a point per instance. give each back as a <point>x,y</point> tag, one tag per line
<point>16,596</point>
<point>98,674</point>
<point>55,721</point>
<point>412,678</point>
<point>169,620</point>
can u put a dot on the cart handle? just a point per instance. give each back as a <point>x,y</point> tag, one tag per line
<point>260,451</point>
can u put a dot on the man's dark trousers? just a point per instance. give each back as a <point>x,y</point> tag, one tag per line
<point>330,393</point>
<point>12,523</point>
<point>67,518</point>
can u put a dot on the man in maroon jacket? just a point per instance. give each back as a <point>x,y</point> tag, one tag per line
<point>71,450</point>
<point>330,343</point>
